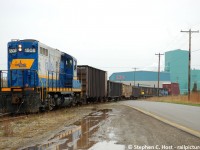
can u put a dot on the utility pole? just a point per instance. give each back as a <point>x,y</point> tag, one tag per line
<point>189,63</point>
<point>158,70</point>
<point>134,75</point>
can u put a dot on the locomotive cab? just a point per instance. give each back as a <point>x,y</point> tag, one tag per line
<point>69,65</point>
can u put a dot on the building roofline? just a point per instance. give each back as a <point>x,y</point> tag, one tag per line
<point>177,50</point>
<point>141,71</point>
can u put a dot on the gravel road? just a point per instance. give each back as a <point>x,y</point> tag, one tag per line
<point>134,129</point>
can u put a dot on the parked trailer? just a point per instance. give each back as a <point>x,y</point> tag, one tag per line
<point>173,88</point>
<point>94,83</point>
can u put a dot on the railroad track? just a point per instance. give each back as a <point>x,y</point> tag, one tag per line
<point>10,117</point>
<point>7,117</point>
<point>4,114</point>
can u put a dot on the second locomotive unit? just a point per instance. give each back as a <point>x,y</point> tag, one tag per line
<point>39,77</point>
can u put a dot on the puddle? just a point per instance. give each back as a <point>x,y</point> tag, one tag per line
<point>77,136</point>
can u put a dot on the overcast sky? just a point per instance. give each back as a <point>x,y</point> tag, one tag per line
<point>113,35</point>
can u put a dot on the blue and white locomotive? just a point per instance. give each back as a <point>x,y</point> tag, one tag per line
<point>39,77</point>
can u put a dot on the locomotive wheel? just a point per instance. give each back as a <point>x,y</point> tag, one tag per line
<point>59,101</point>
<point>75,101</point>
<point>51,103</point>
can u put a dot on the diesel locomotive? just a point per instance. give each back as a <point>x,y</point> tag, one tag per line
<point>38,77</point>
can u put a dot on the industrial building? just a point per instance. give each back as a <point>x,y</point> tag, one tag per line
<point>176,64</point>
<point>143,78</point>
<point>176,71</point>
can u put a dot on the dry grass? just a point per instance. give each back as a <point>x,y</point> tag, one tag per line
<point>7,129</point>
<point>181,99</point>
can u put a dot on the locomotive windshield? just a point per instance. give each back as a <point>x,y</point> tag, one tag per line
<point>69,63</point>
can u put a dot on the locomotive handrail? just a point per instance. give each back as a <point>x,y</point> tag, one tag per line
<point>55,73</point>
<point>42,86</point>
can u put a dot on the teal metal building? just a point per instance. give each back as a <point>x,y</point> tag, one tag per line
<point>176,63</point>
<point>143,78</point>
<point>195,76</point>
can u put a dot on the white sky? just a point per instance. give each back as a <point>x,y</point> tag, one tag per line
<point>113,35</point>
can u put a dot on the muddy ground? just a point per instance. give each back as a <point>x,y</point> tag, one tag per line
<point>102,126</point>
<point>38,127</point>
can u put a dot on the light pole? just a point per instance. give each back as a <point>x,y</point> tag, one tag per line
<point>158,70</point>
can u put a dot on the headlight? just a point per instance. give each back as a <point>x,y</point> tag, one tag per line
<point>20,47</point>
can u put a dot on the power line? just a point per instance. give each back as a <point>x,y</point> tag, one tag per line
<point>196,50</point>
<point>189,64</point>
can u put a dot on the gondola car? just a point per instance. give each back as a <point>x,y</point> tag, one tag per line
<point>145,92</point>
<point>39,77</point>
<point>94,83</point>
<point>114,90</point>
<point>118,91</point>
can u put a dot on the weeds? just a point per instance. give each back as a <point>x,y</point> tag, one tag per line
<point>181,99</point>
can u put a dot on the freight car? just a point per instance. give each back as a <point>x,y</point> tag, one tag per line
<point>119,91</point>
<point>136,92</point>
<point>145,92</point>
<point>148,91</point>
<point>126,91</point>
<point>39,77</point>
<point>94,83</point>
<point>114,90</point>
